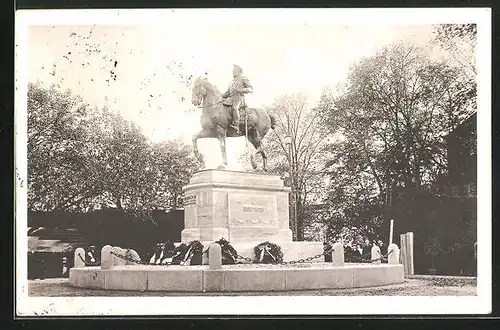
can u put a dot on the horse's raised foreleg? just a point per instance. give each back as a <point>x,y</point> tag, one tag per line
<point>201,134</point>
<point>197,153</point>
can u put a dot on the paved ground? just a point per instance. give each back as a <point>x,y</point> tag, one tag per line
<point>414,286</point>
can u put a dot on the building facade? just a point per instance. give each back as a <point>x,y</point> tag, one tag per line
<point>462,159</point>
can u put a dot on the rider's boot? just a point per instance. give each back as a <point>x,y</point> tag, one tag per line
<point>236,121</point>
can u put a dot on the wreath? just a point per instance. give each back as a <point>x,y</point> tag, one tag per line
<point>268,253</point>
<point>229,254</point>
<point>190,254</point>
<point>179,254</point>
<point>162,252</point>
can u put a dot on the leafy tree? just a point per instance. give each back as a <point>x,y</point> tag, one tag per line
<point>174,164</point>
<point>59,174</point>
<point>124,160</point>
<point>81,159</point>
<point>389,118</point>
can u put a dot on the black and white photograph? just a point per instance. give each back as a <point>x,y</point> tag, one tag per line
<point>253,161</point>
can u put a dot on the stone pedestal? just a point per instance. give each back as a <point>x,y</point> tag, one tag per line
<point>239,206</point>
<point>244,208</point>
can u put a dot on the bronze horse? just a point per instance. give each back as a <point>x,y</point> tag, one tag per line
<point>216,118</point>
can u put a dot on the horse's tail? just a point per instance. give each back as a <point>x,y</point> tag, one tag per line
<point>273,121</point>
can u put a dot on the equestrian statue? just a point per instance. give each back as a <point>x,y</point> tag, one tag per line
<point>227,115</point>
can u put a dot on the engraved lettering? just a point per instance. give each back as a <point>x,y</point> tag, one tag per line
<point>190,200</point>
<point>253,209</point>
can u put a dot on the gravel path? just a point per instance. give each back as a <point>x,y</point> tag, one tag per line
<point>415,286</point>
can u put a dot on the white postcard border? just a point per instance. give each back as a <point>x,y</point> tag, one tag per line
<point>251,305</point>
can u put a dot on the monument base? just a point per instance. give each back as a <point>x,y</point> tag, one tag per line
<point>237,278</point>
<point>241,207</point>
<point>244,208</point>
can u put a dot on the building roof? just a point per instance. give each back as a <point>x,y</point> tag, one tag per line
<point>41,245</point>
<point>463,125</point>
<point>44,239</point>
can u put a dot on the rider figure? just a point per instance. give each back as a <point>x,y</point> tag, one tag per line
<point>235,95</point>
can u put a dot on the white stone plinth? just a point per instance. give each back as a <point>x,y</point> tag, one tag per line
<point>393,257</point>
<point>79,261</point>
<point>107,259</point>
<point>215,256</point>
<point>338,254</point>
<point>376,254</point>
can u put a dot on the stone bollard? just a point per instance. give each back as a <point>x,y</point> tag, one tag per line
<point>117,261</point>
<point>215,257</point>
<point>132,254</point>
<point>338,254</point>
<point>393,257</point>
<point>106,257</point>
<point>376,255</point>
<point>79,255</point>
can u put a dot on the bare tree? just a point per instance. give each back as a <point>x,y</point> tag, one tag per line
<point>301,157</point>
<point>459,40</point>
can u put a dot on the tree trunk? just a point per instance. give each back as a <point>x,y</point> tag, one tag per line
<point>119,203</point>
<point>174,202</point>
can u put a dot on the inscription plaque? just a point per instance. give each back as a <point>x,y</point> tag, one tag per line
<point>190,200</point>
<point>252,210</point>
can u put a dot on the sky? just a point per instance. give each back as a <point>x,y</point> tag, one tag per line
<point>134,68</point>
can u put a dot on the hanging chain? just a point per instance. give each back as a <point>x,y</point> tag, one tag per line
<point>131,259</point>
<point>308,259</point>
<point>247,260</point>
<point>88,264</point>
<point>135,261</point>
<point>382,257</point>
<point>291,262</point>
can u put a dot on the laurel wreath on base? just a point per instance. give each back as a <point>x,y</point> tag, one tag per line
<point>192,254</point>
<point>229,254</point>
<point>268,253</point>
